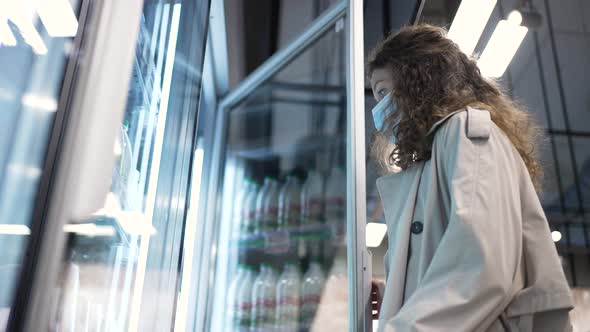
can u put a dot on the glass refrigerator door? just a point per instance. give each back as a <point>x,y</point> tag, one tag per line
<point>34,53</point>
<point>286,242</point>
<point>117,267</point>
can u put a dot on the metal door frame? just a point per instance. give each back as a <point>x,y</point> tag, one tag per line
<point>23,291</point>
<point>359,260</point>
<point>356,209</point>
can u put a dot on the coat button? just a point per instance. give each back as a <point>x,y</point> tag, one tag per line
<point>417,227</point>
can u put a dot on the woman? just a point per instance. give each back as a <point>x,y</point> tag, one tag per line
<point>470,247</point>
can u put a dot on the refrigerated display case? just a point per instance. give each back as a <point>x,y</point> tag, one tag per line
<point>110,240</point>
<point>133,281</point>
<point>145,227</point>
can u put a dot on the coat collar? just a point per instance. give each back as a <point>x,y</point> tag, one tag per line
<point>441,121</point>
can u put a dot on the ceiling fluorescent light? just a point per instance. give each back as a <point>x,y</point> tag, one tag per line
<point>502,46</point>
<point>556,236</point>
<point>20,14</point>
<point>41,103</point>
<point>14,229</point>
<point>58,17</point>
<point>375,232</point>
<point>469,22</point>
<point>6,36</point>
<point>132,222</point>
<point>32,37</point>
<point>23,170</point>
<point>515,17</point>
<point>89,229</point>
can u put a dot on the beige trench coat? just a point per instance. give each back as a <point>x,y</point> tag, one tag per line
<point>483,258</point>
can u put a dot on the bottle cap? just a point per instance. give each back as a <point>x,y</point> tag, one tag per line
<point>292,178</point>
<point>292,262</point>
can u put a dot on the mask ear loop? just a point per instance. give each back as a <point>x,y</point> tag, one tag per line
<point>395,127</point>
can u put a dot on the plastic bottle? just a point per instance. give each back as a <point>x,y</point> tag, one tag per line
<point>257,313</point>
<point>288,299</point>
<point>249,209</point>
<point>263,300</point>
<point>335,200</point>
<point>244,300</point>
<point>312,199</point>
<point>124,166</point>
<point>290,204</point>
<point>260,198</point>
<point>271,206</point>
<point>311,293</point>
<point>126,169</point>
<point>238,205</point>
<point>232,300</point>
<point>271,303</point>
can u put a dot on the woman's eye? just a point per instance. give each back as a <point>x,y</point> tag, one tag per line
<point>382,93</point>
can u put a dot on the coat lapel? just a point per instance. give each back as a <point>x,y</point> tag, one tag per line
<point>398,194</point>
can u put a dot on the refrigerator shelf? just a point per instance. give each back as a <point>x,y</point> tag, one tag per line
<point>260,149</point>
<point>304,87</point>
<point>276,240</point>
<point>88,247</point>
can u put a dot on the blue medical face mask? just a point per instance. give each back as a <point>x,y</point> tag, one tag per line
<point>381,111</point>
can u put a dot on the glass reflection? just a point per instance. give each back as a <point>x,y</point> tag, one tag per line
<point>34,56</point>
<point>119,271</point>
<point>282,232</point>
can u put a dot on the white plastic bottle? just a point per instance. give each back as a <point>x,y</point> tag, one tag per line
<point>311,293</point>
<point>232,299</point>
<point>288,299</point>
<point>270,308</point>
<point>238,206</point>
<point>312,198</point>
<point>271,205</point>
<point>290,204</point>
<point>263,300</point>
<point>335,201</point>
<point>249,209</point>
<point>244,300</point>
<point>260,198</point>
<point>257,313</point>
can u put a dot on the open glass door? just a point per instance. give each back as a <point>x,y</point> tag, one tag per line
<point>286,250</point>
<point>109,254</point>
<point>37,56</point>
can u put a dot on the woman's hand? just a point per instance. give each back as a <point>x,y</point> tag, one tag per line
<point>377,288</point>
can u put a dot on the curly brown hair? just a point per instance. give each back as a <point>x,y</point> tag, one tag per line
<point>432,78</point>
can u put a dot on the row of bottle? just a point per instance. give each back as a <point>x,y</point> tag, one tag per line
<point>283,207</point>
<point>266,301</point>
